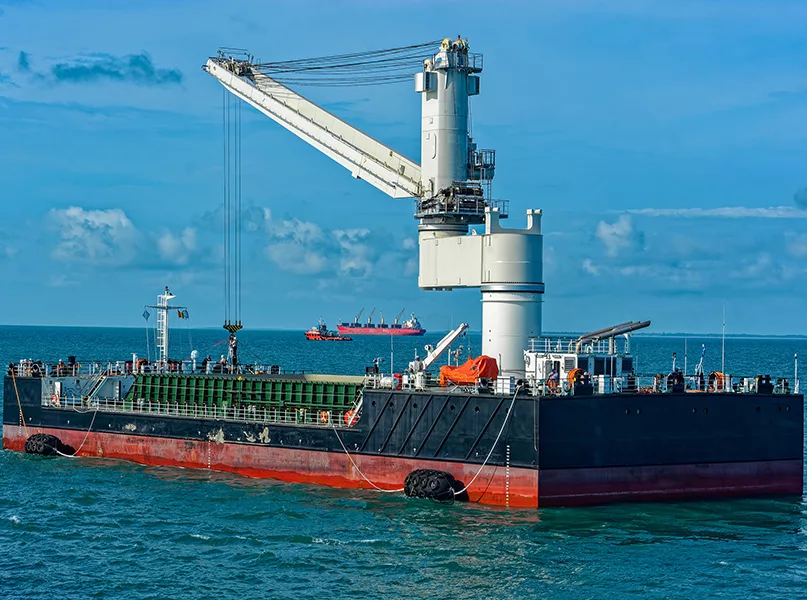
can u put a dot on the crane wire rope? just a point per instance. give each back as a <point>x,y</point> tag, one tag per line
<point>374,67</point>
<point>238,215</point>
<point>225,216</point>
<point>232,208</point>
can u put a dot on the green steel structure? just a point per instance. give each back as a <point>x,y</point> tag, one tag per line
<point>311,392</point>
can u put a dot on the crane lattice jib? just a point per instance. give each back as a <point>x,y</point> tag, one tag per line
<point>364,157</point>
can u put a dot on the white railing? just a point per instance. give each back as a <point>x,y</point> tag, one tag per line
<point>568,345</point>
<point>659,384</point>
<point>29,368</point>
<point>241,414</point>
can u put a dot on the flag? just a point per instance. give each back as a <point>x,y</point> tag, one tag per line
<point>146,314</point>
<point>185,314</point>
<point>179,314</point>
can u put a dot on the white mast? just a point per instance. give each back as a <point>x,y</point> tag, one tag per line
<point>723,349</point>
<point>162,326</point>
<point>162,307</point>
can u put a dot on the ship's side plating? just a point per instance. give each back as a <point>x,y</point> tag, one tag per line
<point>552,451</point>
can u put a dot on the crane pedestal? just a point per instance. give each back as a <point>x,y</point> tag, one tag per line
<point>511,315</point>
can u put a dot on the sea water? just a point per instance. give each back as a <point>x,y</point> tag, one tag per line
<point>94,528</point>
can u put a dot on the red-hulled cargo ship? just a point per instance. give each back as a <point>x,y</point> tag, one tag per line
<point>409,327</point>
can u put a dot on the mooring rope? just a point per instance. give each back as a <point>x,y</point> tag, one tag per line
<point>493,447</point>
<point>19,404</point>
<point>380,489</point>
<point>75,454</point>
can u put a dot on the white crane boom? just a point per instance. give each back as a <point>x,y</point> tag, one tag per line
<point>442,346</point>
<point>364,157</point>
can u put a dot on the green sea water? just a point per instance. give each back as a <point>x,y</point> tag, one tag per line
<point>93,528</point>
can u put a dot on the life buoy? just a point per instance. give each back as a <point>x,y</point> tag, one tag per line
<point>351,418</point>
<point>324,416</point>
<point>54,399</point>
<point>715,381</point>
<point>575,375</point>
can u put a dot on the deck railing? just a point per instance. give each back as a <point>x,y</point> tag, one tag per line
<point>28,368</point>
<point>241,414</point>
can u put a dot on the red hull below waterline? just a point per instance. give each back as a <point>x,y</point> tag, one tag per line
<point>379,331</point>
<point>316,337</point>
<point>515,487</point>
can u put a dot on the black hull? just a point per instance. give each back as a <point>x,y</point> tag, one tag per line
<point>577,444</point>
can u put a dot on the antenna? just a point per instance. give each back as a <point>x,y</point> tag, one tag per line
<point>796,373</point>
<point>723,349</point>
<point>685,357</point>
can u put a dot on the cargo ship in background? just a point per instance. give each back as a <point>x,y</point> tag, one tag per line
<point>320,333</point>
<point>409,327</point>
<point>533,421</point>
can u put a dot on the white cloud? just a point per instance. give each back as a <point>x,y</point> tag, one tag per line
<point>411,267</point>
<point>94,236</point>
<point>762,265</point>
<point>356,257</point>
<point>617,236</point>
<point>177,249</point>
<point>589,267</point>
<point>6,251</point>
<point>295,258</point>
<point>796,244</point>
<point>305,248</point>
<point>61,281</point>
<point>728,212</point>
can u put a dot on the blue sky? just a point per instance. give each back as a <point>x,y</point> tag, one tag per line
<point>666,143</point>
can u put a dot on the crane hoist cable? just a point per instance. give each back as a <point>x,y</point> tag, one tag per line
<point>231,111</point>
<point>374,67</point>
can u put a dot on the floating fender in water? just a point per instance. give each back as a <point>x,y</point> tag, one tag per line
<point>435,485</point>
<point>45,444</point>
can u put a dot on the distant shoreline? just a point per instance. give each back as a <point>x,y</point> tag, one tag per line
<point>676,335</point>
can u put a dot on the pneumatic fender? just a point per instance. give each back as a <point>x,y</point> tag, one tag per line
<point>433,484</point>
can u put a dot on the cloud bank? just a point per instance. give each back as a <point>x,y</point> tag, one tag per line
<point>137,69</point>
<point>727,212</point>
<point>93,236</point>
<point>618,236</point>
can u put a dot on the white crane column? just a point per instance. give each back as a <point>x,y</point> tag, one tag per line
<point>444,129</point>
<point>512,290</point>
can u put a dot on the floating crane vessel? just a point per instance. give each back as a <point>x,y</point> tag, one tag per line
<point>541,421</point>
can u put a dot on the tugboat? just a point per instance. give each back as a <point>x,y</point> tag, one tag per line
<point>319,332</point>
